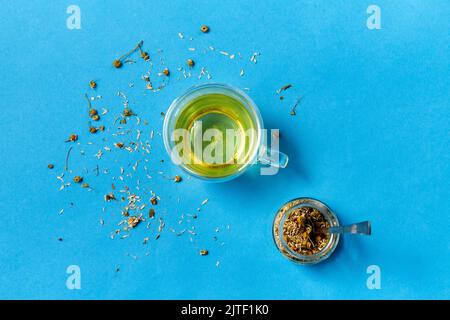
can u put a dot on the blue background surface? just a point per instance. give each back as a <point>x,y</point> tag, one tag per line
<point>370,139</point>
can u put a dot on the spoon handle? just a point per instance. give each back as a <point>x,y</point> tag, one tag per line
<point>356,228</point>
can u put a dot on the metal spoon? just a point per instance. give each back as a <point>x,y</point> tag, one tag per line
<point>356,228</point>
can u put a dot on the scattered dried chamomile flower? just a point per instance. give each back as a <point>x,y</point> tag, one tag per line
<point>93,129</point>
<point>177,179</point>
<point>204,29</point>
<point>95,117</point>
<point>133,221</point>
<point>50,166</point>
<point>166,72</point>
<point>101,128</point>
<point>119,145</point>
<point>77,179</point>
<point>190,63</point>
<point>154,201</point>
<point>72,138</point>
<point>145,56</point>
<point>93,112</point>
<point>92,84</point>
<point>204,252</point>
<point>117,63</point>
<point>127,112</point>
<point>110,196</point>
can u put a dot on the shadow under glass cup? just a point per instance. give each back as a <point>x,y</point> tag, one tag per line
<point>214,132</point>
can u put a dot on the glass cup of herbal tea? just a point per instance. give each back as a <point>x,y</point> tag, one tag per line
<point>215,132</point>
<point>300,231</point>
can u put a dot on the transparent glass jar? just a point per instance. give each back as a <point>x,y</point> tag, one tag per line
<point>281,244</point>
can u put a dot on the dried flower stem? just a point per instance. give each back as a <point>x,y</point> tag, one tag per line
<point>67,158</point>
<point>295,106</point>
<point>137,47</point>
<point>88,101</point>
<point>284,88</point>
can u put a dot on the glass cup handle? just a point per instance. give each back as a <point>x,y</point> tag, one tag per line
<point>273,158</point>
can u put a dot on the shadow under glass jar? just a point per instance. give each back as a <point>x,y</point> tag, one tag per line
<point>278,224</point>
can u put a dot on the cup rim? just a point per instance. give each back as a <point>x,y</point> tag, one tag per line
<point>250,104</point>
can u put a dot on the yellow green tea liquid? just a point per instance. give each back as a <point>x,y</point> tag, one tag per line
<point>221,113</point>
